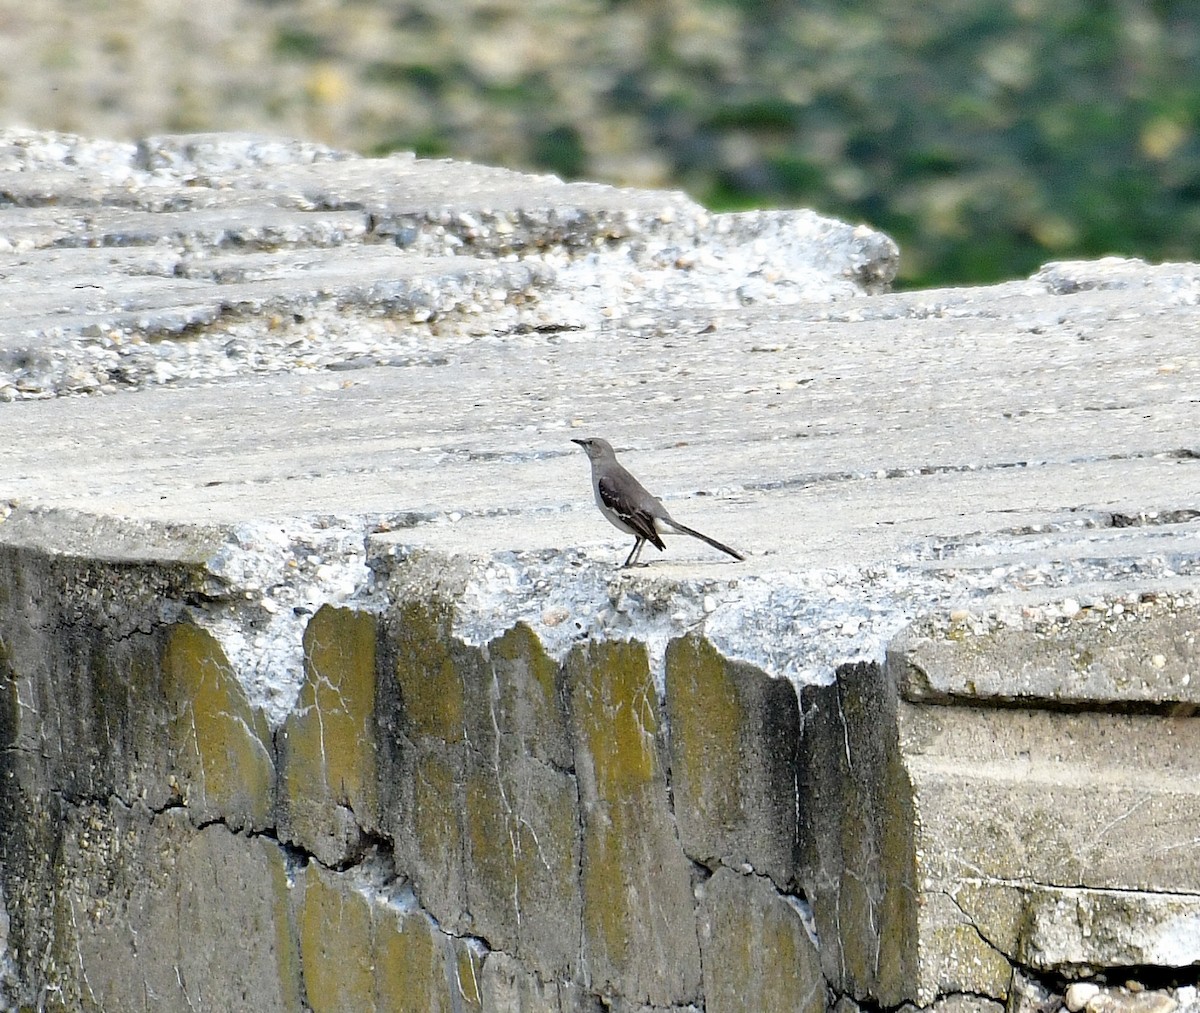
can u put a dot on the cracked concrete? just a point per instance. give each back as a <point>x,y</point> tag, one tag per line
<point>312,644</point>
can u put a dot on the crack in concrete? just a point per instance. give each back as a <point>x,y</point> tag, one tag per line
<point>907,1005</point>
<point>510,814</point>
<point>924,470</point>
<point>1037,884</point>
<point>970,921</point>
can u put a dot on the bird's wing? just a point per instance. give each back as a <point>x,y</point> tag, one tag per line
<point>640,520</point>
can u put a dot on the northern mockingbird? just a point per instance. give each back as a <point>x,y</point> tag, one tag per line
<point>629,507</point>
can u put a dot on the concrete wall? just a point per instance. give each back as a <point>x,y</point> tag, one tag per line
<point>450,826</point>
<point>435,825</point>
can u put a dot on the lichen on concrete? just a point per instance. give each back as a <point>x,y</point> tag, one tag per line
<point>220,762</point>
<point>328,768</point>
<point>639,935</point>
<point>757,951</point>
<point>734,735</point>
<point>484,804</point>
<point>361,950</point>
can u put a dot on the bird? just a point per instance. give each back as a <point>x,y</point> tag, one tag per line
<point>630,507</point>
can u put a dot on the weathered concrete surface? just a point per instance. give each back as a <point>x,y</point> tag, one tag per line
<point>319,686</point>
<point>638,909</point>
<point>859,838</point>
<point>1061,838</point>
<point>746,817</point>
<point>150,908</point>
<point>757,951</point>
<point>329,768</point>
<point>1142,656</point>
<point>481,801</point>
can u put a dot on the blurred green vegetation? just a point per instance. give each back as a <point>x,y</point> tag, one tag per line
<point>985,136</point>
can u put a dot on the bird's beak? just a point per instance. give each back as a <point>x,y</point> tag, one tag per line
<point>582,443</point>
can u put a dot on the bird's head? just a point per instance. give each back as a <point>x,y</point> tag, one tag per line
<point>596,448</point>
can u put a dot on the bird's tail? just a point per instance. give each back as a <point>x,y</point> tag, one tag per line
<point>682,529</point>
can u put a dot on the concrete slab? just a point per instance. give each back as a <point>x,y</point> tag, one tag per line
<point>807,442</point>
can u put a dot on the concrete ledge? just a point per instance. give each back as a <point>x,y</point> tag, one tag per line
<point>309,630</point>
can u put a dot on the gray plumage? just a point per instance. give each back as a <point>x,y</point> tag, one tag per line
<point>630,507</point>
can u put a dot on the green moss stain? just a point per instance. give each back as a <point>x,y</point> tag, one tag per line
<point>486,812</point>
<point>339,661</point>
<point>790,975</point>
<point>613,700</point>
<point>638,909</point>
<point>336,945</point>
<point>437,804</point>
<point>412,976</point>
<point>519,655</point>
<point>329,747</point>
<point>521,807</point>
<point>531,708</point>
<point>287,950</point>
<point>220,756</point>
<point>706,720</point>
<point>467,968</point>
<point>490,830</point>
<point>617,709</point>
<point>898,960</point>
<point>431,689</point>
<point>362,952</point>
<point>606,888</point>
<point>757,952</point>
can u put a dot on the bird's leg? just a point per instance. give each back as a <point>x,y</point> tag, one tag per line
<point>634,552</point>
